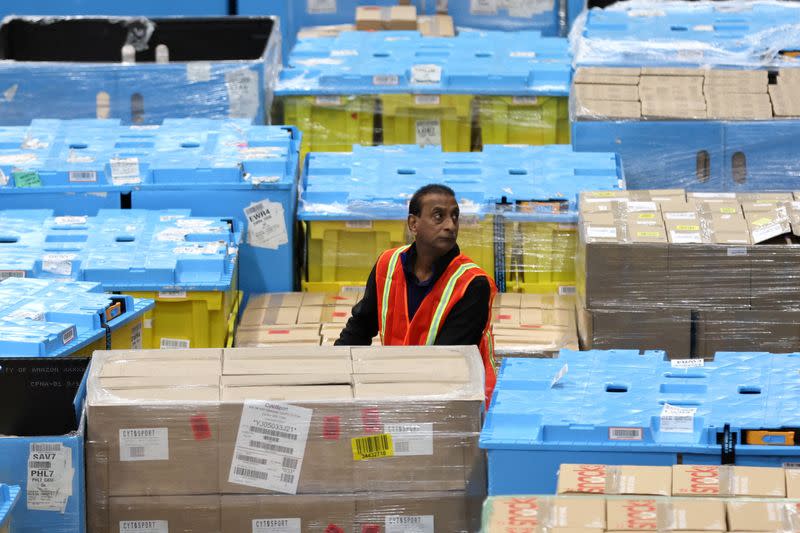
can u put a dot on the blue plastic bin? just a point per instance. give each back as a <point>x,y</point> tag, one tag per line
<point>8,499</point>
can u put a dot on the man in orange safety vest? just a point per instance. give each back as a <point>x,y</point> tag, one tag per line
<point>427,293</point>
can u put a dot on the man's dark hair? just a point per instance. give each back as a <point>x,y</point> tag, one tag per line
<point>415,205</point>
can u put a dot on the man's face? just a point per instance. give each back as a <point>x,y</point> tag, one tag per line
<point>436,227</point>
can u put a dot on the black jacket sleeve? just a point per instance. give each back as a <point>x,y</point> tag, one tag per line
<point>362,327</point>
<point>465,322</point>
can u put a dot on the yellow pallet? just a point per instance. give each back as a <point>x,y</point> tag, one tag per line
<point>524,120</point>
<point>444,120</point>
<point>345,251</point>
<point>540,257</point>
<point>330,123</point>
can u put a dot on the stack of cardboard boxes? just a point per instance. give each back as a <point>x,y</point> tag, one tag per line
<point>533,325</point>
<point>691,273</point>
<point>696,498</point>
<point>683,94</point>
<point>380,18</point>
<point>284,439</point>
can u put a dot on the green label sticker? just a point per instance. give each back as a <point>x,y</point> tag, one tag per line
<point>27,179</point>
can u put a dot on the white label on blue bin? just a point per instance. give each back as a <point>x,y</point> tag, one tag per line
<point>314,7</point>
<point>83,176</point>
<point>266,226</point>
<point>343,53</point>
<point>409,524</point>
<point>625,433</point>
<point>675,419</point>
<point>67,336</point>
<point>276,525</point>
<point>125,170</point>
<point>50,476</point>
<point>60,264</point>
<point>385,79</point>
<point>560,375</point>
<point>144,444</point>
<point>430,74</point>
<point>136,336</point>
<point>243,92</point>
<point>529,8</point>
<point>270,446</point>
<point>483,7</point>
<point>5,274</point>
<point>70,221</point>
<point>687,363</point>
<point>143,526</point>
<point>429,132</point>
<point>198,71</point>
<point>411,439</point>
<point>174,344</point>
<point>427,99</point>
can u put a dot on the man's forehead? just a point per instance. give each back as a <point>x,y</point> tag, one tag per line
<point>434,200</point>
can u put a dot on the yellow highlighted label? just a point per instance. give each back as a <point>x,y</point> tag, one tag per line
<point>372,447</point>
<point>727,210</point>
<point>687,228</point>
<point>648,234</point>
<point>647,215</point>
<point>762,221</point>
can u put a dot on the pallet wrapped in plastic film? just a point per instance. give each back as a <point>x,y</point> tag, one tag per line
<point>230,432</point>
<point>700,129</point>
<point>690,273</point>
<point>137,69</point>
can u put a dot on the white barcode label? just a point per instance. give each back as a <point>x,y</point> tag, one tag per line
<point>687,363</point>
<point>144,444</point>
<point>358,224</point>
<point>270,446</point>
<point>640,207</point>
<point>703,27</point>
<point>60,264</point>
<point>524,100</point>
<point>624,433</point>
<point>567,290</point>
<point>737,252</point>
<point>276,525</point>
<point>387,79</point>
<point>676,419</point>
<point>320,6</point>
<point>5,274</point>
<point>680,216</point>
<point>125,170</point>
<point>83,176</point>
<point>409,524</point>
<point>596,232</point>
<point>243,92</point>
<point>426,74</point>
<point>429,132</point>
<point>67,336</point>
<point>70,221</point>
<point>682,237</point>
<point>328,100</point>
<point>172,294</point>
<point>767,232</point>
<point>483,7</point>
<point>344,53</point>
<point>144,526</point>
<point>559,375</point>
<point>136,336</point>
<point>427,99</point>
<point>266,226</point>
<point>50,474</point>
<point>524,53</point>
<point>198,71</point>
<point>411,439</point>
<point>174,344</point>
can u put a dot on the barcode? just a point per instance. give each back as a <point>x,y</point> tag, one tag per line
<point>287,478</point>
<point>68,336</point>
<point>252,210</point>
<point>250,459</point>
<point>136,451</point>
<point>83,175</point>
<point>566,290</point>
<point>402,446</point>
<point>5,274</point>
<point>272,432</point>
<point>174,343</point>
<point>247,472</point>
<point>40,464</point>
<point>372,445</point>
<point>46,447</point>
<point>290,462</point>
<point>625,433</point>
<point>271,447</point>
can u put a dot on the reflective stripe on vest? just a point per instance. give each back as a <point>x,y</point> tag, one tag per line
<point>433,330</point>
<point>387,285</point>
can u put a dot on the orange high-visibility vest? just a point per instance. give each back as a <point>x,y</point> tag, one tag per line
<point>397,330</point>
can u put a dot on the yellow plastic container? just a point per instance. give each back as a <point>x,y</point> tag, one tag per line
<point>233,319</point>
<point>540,257</point>
<point>524,119</point>
<point>128,337</point>
<point>344,252</point>
<point>476,240</point>
<point>330,123</point>
<point>422,119</point>
<point>87,351</point>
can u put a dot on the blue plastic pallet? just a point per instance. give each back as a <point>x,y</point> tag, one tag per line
<point>45,415</point>
<point>668,154</point>
<point>392,62</point>
<point>49,318</point>
<point>688,34</point>
<point>75,68</point>
<point>9,494</point>
<point>216,168</point>
<point>376,182</point>
<point>607,408</point>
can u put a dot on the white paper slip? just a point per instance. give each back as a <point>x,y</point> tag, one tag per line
<point>243,92</point>
<point>409,524</point>
<point>50,474</point>
<point>431,74</point>
<point>411,439</point>
<point>144,444</point>
<point>675,419</point>
<point>266,225</point>
<point>428,132</point>
<point>60,264</point>
<point>687,363</point>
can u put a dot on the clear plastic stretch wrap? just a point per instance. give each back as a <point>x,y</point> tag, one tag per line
<point>697,129</point>
<point>350,438</point>
<point>690,273</point>
<point>136,69</point>
<point>657,33</point>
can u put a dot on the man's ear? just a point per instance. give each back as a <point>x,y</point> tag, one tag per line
<point>412,224</point>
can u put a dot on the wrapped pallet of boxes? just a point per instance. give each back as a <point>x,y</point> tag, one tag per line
<point>304,437</point>
<point>533,325</point>
<point>690,273</point>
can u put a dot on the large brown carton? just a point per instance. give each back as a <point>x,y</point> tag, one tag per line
<point>454,512</point>
<point>770,331</point>
<point>162,514</point>
<point>610,479</point>
<point>296,514</point>
<point>436,26</point>
<point>254,318</point>
<point>668,514</point>
<point>305,334</point>
<point>792,483</point>
<point>763,515</point>
<point>543,514</point>
<point>736,481</point>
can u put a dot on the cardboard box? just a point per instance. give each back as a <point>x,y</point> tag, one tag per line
<point>764,515</point>
<point>319,314</point>
<point>614,93</point>
<point>331,30</point>
<point>436,26</point>
<point>418,511</point>
<point>190,514</point>
<point>301,513</point>
<point>275,299</point>
<point>306,334</point>
<point>376,18</point>
<point>792,483</point>
<point>542,342</point>
<point>673,514</point>
<point>602,479</point>
<point>543,513</point>
<point>681,72</point>
<point>604,109</point>
<point>253,318</point>
<point>737,481</point>
<point>607,76</point>
<point>728,106</point>
<point>784,101</point>
<point>771,331</point>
